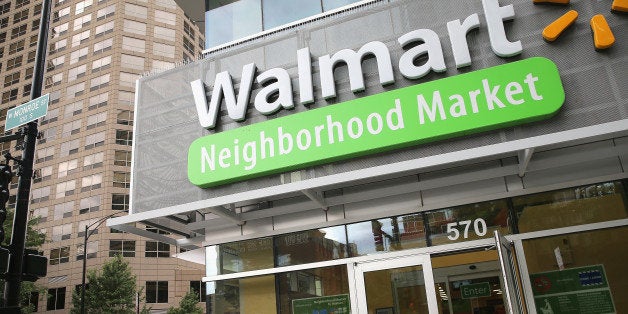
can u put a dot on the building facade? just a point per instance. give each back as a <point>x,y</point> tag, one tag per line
<point>394,156</point>
<point>97,50</point>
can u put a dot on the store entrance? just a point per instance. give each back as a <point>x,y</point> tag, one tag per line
<point>461,282</point>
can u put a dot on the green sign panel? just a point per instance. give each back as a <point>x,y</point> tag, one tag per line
<point>476,290</point>
<point>506,95</point>
<point>581,290</point>
<point>27,112</point>
<point>335,304</point>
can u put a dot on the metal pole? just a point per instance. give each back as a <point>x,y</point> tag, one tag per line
<point>14,274</point>
<point>84,270</point>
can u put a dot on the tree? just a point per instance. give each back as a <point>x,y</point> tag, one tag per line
<point>188,305</point>
<point>111,290</point>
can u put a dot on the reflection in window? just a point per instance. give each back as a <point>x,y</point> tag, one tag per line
<point>125,248</point>
<point>570,207</point>
<point>311,246</point>
<point>227,21</point>
<point>247,255</point>
<point>386,234</point>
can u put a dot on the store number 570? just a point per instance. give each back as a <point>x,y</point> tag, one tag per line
<point>479,228</point>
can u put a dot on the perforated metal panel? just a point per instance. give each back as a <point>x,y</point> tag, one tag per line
<point>595,83</point>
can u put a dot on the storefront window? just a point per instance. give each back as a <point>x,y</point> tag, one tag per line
<point>311,246</point>
<point>247,255</point>
<point>387,234</point>
<point>279,12</point>
<point>230,20</point>
<point>263,294</point>
<point>584,271</point>
<point>570,207</point>
<point>468,222</point>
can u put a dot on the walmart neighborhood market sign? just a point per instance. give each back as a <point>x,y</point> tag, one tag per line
<point>501,96</point>
<point>510,94</point>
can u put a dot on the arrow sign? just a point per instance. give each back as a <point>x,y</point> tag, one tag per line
<point>27,112</point>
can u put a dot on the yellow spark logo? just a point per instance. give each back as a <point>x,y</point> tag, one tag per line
<point>602,34</point>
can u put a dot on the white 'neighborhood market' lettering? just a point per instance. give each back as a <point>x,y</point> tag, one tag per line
<point>333,131</point>
<point>278,94</point>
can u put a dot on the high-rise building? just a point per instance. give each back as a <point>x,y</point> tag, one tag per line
<point>97,49</point>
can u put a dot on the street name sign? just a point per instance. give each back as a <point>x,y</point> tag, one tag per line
<point>27,112</point>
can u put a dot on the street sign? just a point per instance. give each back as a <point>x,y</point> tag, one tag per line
<point>27,112</point>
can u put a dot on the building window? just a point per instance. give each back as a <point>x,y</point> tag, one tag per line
<point>61,14</point>
<point>125,248</point>
<point>92,249</point>
<point>73,109</point>
<point>11,79</point>
<point>104,29</point>
<point>188,29</point>
<point>78,55</point>
<point>20,16</point>
<point>56,299</point>
<point>95,140</point>
<point>101,64</point>
<point>67,167</point>
<point>99,82</point>
<point>120,201</point>
<point>71,128</point>
<point>53,114</point>
<point>10,95</point>
<point>65,189</point>
<point>106,12</point>
<point>27,90</point>
<point>58,46</point>
<point>132,62</point>
<point>93,161</point>
<point>128,79</point>
<point>90,204</point>
<point>96,120</point>
<point>163,50</point>
<point>75,90</point>
<point>77,72</point>
<point>63,210</point>
<point>28,73</point>
<point>45,154</point>
<point>135,11</point>
<point>122,158</point>
<point>121,179</point>
<point>124,137</point>
<point>103,46</point>
<point>82,22</point>
<point>49,134</point>
<point>81,6</point>
<point>165,33</point>
<point>4,8</point>
<point>135,27</point>
<point>199,288</point>
<point>156,292</point>
<point>54,80</point>
<point>69,148</point>
<point>126,98</point>
<point>41,214</point>
<point>62,232</point>
<point>14,62</point>
<point>56,63</point>
<point>133,44</point>
<point>59,256</point>
<point>165,17</point>
<point>157,249</point>
<point>98,101</point>
<point>42,174</point>
<point>125,117</point>
<point>21,3</point>
<point>92,182</point>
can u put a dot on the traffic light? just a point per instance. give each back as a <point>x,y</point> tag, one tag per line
<point>5,179</point>
<point>35,265</point>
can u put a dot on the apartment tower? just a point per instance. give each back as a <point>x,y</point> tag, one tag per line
<point>97,49</point>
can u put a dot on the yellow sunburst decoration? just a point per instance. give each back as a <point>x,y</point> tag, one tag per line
<point>602,34</point>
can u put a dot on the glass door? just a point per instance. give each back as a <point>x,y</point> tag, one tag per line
<point>402,285</point>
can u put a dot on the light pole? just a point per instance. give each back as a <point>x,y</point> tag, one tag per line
<point>86,236</point>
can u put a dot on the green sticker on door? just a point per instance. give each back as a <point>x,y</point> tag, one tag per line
<point>475,290</point>
<point>492,98</point>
